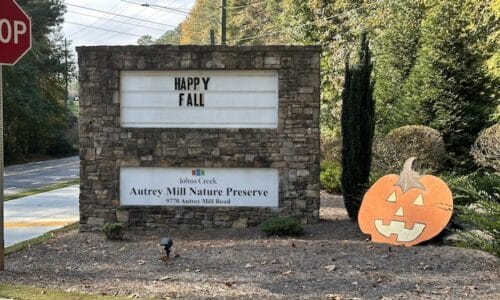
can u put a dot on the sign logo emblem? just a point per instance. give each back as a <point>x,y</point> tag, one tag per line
<point>198,172</point>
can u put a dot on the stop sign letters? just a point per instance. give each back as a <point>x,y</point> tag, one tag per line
<point>15,32</point>
<point>9,31</point>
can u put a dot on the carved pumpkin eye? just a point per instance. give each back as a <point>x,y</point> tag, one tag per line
<point>419,200</point>
<point>392,197</point>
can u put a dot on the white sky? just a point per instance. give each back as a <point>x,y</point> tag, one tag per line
<point>159,20</point>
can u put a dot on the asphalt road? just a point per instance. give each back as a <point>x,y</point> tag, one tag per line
<point>25,177</point>
<point>31,216</point>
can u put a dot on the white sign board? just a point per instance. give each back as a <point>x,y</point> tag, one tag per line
<point>252,187</point>
<point>199,99</point>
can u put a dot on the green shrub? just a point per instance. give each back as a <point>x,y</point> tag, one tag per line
<point>495,116</point>
<point>424,143</point>
<point>113,231</point>
<point>486,148</point>
<point>331,146</point>
<point>330,176</point>
<point>473,187</point>
<point>286,226</point>
<point>483,216</point>
<point>477,204</point>
<point>60,146</point>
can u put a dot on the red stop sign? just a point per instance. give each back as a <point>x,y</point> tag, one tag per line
<point>15,32</point>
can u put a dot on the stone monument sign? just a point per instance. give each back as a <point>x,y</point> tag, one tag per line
<point>198,136</point>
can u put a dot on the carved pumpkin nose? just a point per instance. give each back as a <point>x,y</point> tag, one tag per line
<point>400,212</point>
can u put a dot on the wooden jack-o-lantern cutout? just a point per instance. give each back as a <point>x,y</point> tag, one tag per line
<point>406,209</point>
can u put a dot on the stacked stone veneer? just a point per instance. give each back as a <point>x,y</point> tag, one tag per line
<point>292,148</point>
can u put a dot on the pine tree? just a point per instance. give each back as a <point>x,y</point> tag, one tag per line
<point>449,81</point>
<point>34,109</point>
<point>396,54</point>
<point>358,125</point>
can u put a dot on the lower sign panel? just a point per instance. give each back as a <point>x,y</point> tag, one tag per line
<point>250,187</point>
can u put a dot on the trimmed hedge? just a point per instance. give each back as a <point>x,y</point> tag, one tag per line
<point>422,142</point>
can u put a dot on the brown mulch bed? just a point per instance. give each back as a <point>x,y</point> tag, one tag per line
<point>332,261</point>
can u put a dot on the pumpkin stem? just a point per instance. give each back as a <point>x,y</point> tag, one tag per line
<point>408,178</point>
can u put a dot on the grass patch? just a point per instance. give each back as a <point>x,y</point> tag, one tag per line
<point>41,239</point>
<point>31,158</point>
<point>27,293</point>
<point>42,189</point>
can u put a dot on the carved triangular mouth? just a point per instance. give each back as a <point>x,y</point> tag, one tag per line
<point>398,228</point>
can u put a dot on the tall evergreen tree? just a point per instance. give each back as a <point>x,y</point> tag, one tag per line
<point>358,126</point>
<point>34,110</point>
<point>449,81</point>
<point>336,26</point>
<point>396,54</point>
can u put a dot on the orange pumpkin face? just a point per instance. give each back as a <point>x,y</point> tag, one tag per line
<point>406,209</point>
